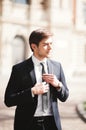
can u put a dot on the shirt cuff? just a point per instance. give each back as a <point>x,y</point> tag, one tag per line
<point>60,87</point>
<point>32,94</point>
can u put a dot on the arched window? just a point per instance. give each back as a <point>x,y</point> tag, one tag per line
<point>18,49</point>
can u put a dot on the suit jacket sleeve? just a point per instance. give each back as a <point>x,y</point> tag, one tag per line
<point>64,93</point>
<point>17,93</point>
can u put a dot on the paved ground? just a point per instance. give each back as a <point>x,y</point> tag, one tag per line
<point>69,118</point>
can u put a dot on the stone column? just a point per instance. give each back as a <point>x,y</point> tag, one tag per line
<point>35,11</point>
<point>79,65</point>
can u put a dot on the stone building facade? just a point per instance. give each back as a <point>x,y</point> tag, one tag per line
<point>65,18</point>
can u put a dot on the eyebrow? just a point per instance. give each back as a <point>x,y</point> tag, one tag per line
<point>47,42</point>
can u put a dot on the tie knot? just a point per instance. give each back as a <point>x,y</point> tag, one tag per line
<point>41,64</point>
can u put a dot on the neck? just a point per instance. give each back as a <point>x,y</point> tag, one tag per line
<point>39,58</point>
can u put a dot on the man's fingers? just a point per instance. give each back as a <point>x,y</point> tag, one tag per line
<point>41,88</point>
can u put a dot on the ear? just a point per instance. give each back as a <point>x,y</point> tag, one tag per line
<point>33,46</point>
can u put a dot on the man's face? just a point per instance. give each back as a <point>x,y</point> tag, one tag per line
<point>43,50</point>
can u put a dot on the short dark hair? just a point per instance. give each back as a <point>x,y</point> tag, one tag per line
<point>37,35</point>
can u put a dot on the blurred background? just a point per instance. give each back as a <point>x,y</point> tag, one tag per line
<point>67,20</point>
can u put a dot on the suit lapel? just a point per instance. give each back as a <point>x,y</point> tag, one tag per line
<point>31,71</point>
<point>50,71</point>
<point>33,77</point>
<point>50,67</point>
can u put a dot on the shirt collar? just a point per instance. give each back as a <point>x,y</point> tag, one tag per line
<point>37,62</point>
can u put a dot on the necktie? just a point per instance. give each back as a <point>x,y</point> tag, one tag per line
<point>44,96</point>
<point>43,70</point>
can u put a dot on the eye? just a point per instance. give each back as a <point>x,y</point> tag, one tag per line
<point>50,43</point>
<point>45,44</point>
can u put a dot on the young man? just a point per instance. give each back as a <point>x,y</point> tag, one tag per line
<point>34,92</point>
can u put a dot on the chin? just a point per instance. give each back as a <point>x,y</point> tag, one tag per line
<point>48,56</point>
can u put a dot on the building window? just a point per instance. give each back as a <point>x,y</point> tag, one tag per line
<point>22,1</point>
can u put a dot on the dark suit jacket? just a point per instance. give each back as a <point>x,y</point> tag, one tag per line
<point>18,92</point>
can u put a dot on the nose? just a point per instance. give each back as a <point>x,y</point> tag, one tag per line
<point>50,46</point>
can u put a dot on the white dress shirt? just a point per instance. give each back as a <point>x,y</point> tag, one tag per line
<point>38,73</point>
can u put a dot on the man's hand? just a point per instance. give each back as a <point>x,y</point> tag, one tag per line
<point>40,88</point>
<point>50,78</point>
